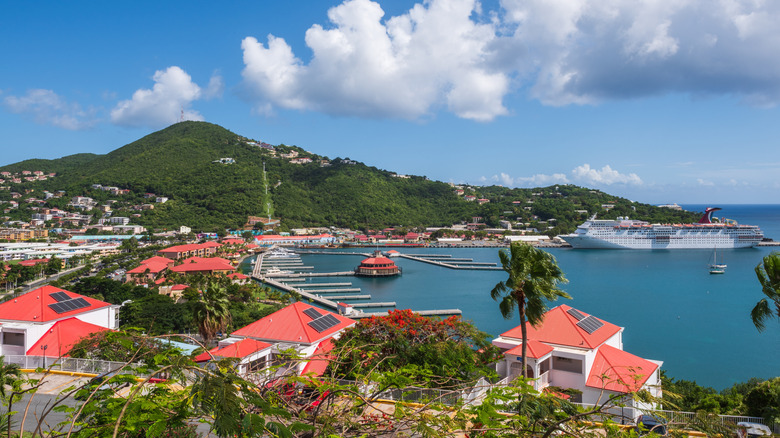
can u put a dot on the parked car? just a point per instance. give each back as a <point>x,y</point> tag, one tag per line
<point>751,430</point>
<point>649,423</point>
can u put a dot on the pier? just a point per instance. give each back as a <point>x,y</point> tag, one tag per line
<point>322,293</point>
<point>445,312</point>
<point>469,265</point>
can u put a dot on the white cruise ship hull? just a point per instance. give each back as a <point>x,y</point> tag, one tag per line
<point>624,233</point>
<point>590,242</point>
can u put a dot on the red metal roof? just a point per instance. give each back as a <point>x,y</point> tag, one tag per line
<point>62,336</point>
<point>157,259</point>
<point>377,261</point>
<point>319,361</point>
<point>290,324</point>
<point>559,327</point>
<point>204,265</point>
<point>240,349</point>
<point>535,349</point>
<point>153,267</point>
<point>34,306</point>
<point>619,371</point>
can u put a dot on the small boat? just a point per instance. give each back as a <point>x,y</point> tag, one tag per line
<point>715,267</point>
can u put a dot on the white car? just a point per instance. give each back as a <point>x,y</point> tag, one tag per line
<point>751,430</point>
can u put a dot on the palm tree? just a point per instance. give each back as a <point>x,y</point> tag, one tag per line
<point>533,280</point>
<point>768,274</point>
<point>212,312</point>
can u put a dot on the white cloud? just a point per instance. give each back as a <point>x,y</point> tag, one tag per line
<point>433,56</point>
<point>606,176</point>
<point>173,92</point>
<point>451,54</point>
<point>215,88</point>
<point>703,182</point>
<point>48,108</point>
<point>583,175</point>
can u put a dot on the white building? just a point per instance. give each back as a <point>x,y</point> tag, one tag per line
<point>571,349</point>
<point>299,327</point>
<point>26,319</point>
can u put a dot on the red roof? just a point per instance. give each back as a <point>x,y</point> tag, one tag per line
<point>320,360</point>
<point>195,259</point>
<point>535,349</point>
<point>237,275</point>
<point>240,349</point>
<point>153,267</point>
<point>619,371</point>
<point>34,306</point>
<point>290,324</point>
<point>62,336</point>
<point>157,259</point>
<point>559,327</point>
<point>204,265</point>
<point>377,261</point>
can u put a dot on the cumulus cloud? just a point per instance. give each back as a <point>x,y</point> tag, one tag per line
<point>48,108</point>
<point>583,175</point>
<point>433,56</point>
<point>606,176</point>
<point>451,54</point>
<point>173,93</point>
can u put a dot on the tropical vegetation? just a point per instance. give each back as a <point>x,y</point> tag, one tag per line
<point>533,281</point>
<point>178,163</point>
<point>768,273</point>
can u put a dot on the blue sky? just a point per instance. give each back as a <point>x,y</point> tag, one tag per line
<point>662,101</point>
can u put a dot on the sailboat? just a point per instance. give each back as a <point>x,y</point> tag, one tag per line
<point>715,267</point>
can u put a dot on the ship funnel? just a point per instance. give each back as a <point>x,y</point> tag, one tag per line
<point>707,218</point>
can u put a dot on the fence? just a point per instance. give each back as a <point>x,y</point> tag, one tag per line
<point>70,364</point>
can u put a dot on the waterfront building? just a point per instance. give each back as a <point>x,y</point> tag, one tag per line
<point>377,266</point>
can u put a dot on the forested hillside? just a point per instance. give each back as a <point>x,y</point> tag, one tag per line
<point>179,163</point>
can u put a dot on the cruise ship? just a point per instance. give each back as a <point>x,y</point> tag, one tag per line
<point>624,233</point>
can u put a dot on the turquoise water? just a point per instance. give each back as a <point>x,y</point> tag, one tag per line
<point>671,307</point>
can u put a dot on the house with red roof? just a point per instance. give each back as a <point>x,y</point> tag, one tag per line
<point>572,349</point>
<point>302,328</point>
<point>212,265</point>
<point>206,249</point>
<point>28,318</point>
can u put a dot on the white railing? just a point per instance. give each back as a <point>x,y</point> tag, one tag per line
<point>69,364</point>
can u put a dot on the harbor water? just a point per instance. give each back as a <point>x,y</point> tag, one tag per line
<point>672,309</point>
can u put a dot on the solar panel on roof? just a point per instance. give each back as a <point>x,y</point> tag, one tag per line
<point>575,313</point>
<point>68,305</point>
<point>324,322</point>
<point>312,313</point>
<point>57,307</point>
<point>81,303</point>
<point>590,324</point>
<point>59,296</point>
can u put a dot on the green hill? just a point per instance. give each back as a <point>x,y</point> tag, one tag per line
<point>179,163</point>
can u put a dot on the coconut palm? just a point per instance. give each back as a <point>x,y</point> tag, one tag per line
<point>212,312</point>
<point>768,273</point>
<point>533,281</point>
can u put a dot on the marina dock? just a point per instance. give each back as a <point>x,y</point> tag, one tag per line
<point>267,271</point>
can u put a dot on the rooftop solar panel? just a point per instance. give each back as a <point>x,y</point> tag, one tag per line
<point>68,305</point>
<point>57,307</point>
<point>575,313</point>
<point>590,324</point>
<point>80,303</point>
<point>324,322</point>
<point>59,296</point>
<point>312,313</point>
